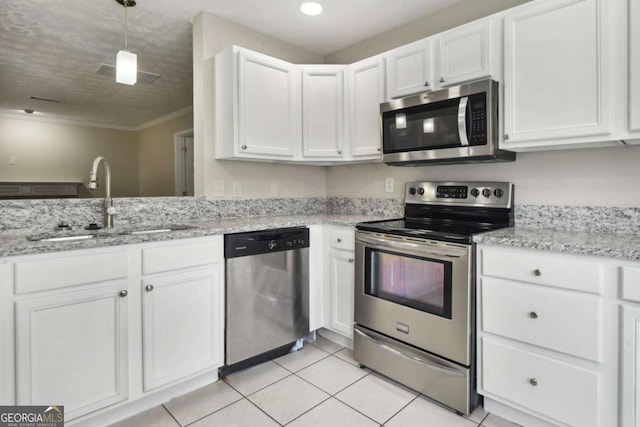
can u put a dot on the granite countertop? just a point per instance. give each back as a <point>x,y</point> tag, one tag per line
<point>12,245</point>
<point>612,245</point>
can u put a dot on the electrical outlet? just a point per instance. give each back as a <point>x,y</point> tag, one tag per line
<point>237,189</point>
<point>273,189</point>
<point>218,188</point>
<point>388,185</point>
<point>12,160</point>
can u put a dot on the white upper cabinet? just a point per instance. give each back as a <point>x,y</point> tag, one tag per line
<point>465,53</point>
<point>556,74</point>
<point>634,67</point>
<point>366,93</point>
<point>323,111</point>
<point>468,53</point>
<point>257,106</point>
<point>409,69</point>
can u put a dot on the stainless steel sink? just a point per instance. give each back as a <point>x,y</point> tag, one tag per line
<point>65,236</point>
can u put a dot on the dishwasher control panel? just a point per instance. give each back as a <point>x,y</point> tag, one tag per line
<point>265,241</point>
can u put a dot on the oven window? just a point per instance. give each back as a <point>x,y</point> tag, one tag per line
<point>420,283</point>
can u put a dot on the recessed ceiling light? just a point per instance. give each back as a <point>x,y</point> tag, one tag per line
<point>311,8</point>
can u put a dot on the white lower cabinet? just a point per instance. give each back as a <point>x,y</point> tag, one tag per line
<point>181,325</point>
<point>548,337</point>
<point>72,349</point>
<point>341,287</point>
<point>630,373</point>
<point>337,277</point>
<point>93,333</point>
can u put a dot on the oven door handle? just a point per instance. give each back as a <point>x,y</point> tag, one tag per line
<point>449,252</point>
<point>434,364</point>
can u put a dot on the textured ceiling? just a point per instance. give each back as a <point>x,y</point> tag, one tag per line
<point>52,48</point>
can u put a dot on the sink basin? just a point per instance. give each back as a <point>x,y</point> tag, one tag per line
<point>65,236</point>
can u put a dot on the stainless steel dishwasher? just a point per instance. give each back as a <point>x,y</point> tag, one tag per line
<point>267,294</point>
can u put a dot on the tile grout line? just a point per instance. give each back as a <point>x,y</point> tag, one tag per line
<point>263,411</point>
<point>401,409</point>
<point>171,415</point>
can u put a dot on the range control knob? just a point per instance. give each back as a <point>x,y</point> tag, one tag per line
<point>498,192</point>
<point>421,191</point>
<point>486,192</point>
<point>412,190</point>
<point>272,244</point>
<point>475,192</point>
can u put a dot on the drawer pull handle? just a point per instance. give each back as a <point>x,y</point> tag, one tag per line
<point>149,288</point>
<point>123,293</point>
<point>533,381</point>
<point>533,315</point>
<point>537,273</point>
<point>339,240</point>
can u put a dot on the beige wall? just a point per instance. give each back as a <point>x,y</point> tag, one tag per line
<point>452,16</point>
<point>213,34</point>
<point>156,151</point>
<point>60,152</point>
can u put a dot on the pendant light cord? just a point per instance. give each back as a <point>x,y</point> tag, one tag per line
<point>125,25</point>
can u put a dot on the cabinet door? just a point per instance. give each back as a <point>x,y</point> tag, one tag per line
<point>342,282</point>
<point>465,53</point>
<point>556,80</point>
<point>72,349</point>
<point>630,373</point>
<point>634,65</point>
<point>409,69</point>
<point>268,106</point>
<point>182,325</point>
<point>366,92</point>
<point>323,111</point>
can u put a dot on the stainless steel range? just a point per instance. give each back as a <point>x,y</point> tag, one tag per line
<point>415,287</point>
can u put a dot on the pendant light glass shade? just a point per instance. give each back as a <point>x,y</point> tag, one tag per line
<point>126,67</point>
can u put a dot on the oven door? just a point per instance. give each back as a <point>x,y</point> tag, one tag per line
<point>417,291</point>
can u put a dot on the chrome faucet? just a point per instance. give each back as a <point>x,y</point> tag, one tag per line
<point>108,210</point>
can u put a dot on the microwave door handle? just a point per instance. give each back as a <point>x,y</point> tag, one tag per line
<point>462,121</point>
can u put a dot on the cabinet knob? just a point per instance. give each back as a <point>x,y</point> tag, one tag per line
<point>350,260</point>
<point>339,151</point>
<point>533,381</point>
<point>244,147</point>
<point>426,83</point>
<point>441,79</point>
<point>506,136</point>
<point>378,149</point>
<point>533,315</point>
<point>339,240</point>
<point>124,293</point>
<point>537,273</point>
<point>148,288</point>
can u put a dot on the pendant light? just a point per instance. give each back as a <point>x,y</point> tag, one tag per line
<point>126,62</point>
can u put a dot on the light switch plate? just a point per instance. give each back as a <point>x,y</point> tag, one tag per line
<point>388,185</point>
<point>218,188</point>
<point>237,189</point>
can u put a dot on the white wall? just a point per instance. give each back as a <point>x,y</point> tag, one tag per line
<point>213,34</point>
<point>585,177</point>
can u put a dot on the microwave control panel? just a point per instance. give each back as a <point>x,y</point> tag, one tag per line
<point>477,132</point>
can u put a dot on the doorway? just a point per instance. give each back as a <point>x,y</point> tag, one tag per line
<point>183,155</point>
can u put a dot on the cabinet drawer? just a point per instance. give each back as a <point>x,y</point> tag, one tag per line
<point>343,239</point>
<point>561,271</point>
<point>181,255</point>
<point>563,392</point>
<point>631,283</point>
<point>557,320</point>
<point>69,270</point>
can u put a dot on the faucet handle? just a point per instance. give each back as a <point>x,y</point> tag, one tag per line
<point>111,210</point>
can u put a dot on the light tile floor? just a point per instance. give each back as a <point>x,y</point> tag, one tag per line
<point>320,385</point>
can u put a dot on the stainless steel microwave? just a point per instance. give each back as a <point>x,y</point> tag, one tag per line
<point>454,125</point>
